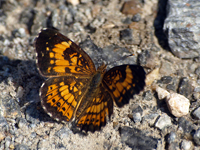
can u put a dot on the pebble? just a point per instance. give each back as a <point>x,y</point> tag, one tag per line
<point>137,117</point>
<point>73,2</point>
<point>196,137</point>
<point>126,35</point>
<point>166,79</point>
<point>7,142</point>
<point>185,87</point>
<point>21,147</point>
<point>186,126</point>
<point>163,122</point>
<point>136,139</point>
<point>150,118</point>
<point>131,7</point>
<point>196,113</point>
<point>63,133</point>
<point>173,146</point>
<point>136,18</point>
<point>137,113</point>
<point>22,123</point>
<point>148,95</point>
<point>178,104</point>
<point>171,137</point>
<point>152,76</point>
<point>162,93</point>
<point>186,145</point>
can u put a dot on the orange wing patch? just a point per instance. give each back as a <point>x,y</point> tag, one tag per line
<point>60,96</point>
<point>124,81</point>
<point>95,115</point>
<point>59,56</point>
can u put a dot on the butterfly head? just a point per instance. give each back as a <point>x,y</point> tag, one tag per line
<point>102,68</point>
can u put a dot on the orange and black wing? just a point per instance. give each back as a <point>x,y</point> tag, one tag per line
<point>60,96</point>
<point>123,82</point>
<point>97,113</point>
<point>58,55</point>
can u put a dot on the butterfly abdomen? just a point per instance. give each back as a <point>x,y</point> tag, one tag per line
<point>91,93</point>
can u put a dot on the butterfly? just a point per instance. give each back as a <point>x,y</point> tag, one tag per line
<point>75,90</point>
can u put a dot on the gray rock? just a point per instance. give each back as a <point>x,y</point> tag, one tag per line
<point>173,146</point>
<point>171,137</point>
<point>137,113</point>
<point>196,113</point>
<point>135,139</point>
<point>163,122</point>
<point>196,137</point>
<point>21,147</point>
<point>182,28</point>
<point>186,145</point>
<point>185,87</point>
<point>126,35</point>
<point>148,95</point>
<point>63,133</point>
<point>186,125</point>
<point>136,18</point>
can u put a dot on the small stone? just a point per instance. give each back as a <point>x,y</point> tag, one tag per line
<point>21,147</point>
<point>177,104</point>
<point>163,122</point>
<point>196,113</point>
<point>172,137</point>
<point>152,76</point>
<point>73,2</point>
<point>7,142</point>
<point>22,123</point>
<point>126,35</point>
<point>186,126</point>
<point>150,118</point>
<point>63,133</point>
<point>20,92</point>
<point>136,18</point>
<point>186,145</point>
<point>127,20</point>
<point>2,136</point>
<point>131,7</point>
<point>196,137</point>
<point>166,79</point>
<point>173,146</point>
<point>167,68</point>
<point>185,87</point>
<point>136,139</point>
<point>137,117</point>
<point>162,93</point>
<point>148,95</point>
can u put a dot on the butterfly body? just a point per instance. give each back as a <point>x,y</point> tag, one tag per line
<point>75,90</point>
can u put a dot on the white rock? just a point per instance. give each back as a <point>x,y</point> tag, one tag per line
<point>163,121</point>
<point>186,145</point>
<point>162,93</point>
<point>152,76</point>
<point>178,104</point>
<point>74,2</point>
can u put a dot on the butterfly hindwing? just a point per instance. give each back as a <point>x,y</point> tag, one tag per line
<point>58,55</point>
<point>96,114</point>
<point>124,81</point>
<point>60,96</point>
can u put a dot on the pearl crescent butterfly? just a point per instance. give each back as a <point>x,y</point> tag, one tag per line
<point>75,90</point>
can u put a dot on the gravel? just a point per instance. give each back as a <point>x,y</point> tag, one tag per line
<point>110,31</point>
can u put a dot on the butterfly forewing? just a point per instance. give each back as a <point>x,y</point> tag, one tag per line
<point>58,55</point>
<point>61,96</point>
<point>123,82</point>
